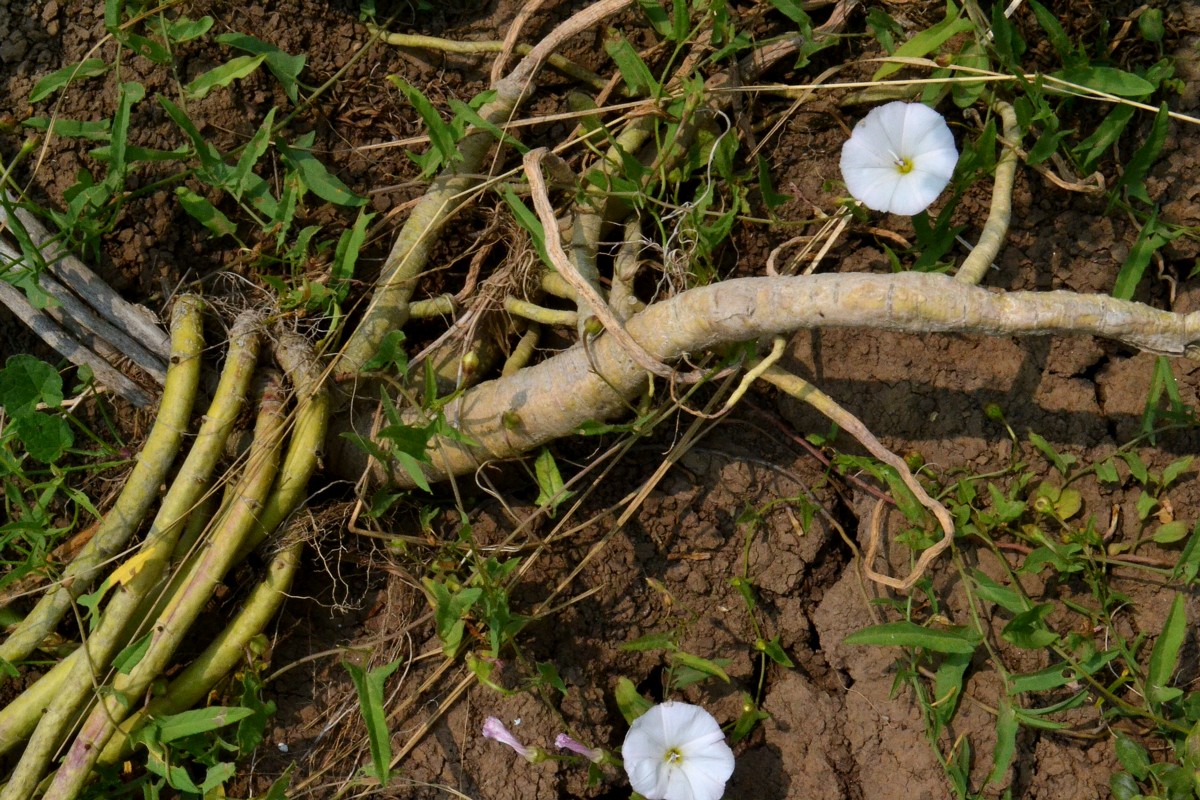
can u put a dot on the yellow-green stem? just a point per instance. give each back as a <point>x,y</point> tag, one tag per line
<point>141,487</point>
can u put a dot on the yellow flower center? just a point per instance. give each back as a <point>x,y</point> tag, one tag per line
<point>904,165</point>
<point>673,756</point>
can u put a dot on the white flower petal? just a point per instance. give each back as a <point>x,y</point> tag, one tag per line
<point>677,751</point>
<point>899,158</point>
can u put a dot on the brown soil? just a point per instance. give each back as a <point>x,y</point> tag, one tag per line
<point>837,728</point>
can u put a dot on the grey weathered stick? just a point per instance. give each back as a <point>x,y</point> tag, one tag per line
<point>138,321</point>
<point>53,334</point>
<point>73,313</point>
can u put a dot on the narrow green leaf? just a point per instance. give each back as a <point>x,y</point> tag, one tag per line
<point>1150,239</point>
<point>793,11</point>
<point>1028,629</point>
<point>1164,658</point>
<point>630,702</point>
<point>1062,462</point>
<point>702,665</point>
<point>312,172</point>
<point>60,79</point>
<point>240,177</point>
<point>651,641</point>
<point>1006,741</point>
<point>220,77</point>
<point>1136,467</point>
<point>909,634</point>
<point>369,686</point>
<point>948,684</point>
<point>1138,166</point>
<point>205,212</point>
<point>926,42</point>
<point>1054,32</point>
<point>441,135</point>
<point>200,720</point>
<point>634,72</point>
<point>1043,680</point>
<point>1107,79</point>
<point>345,257</point>
<point>129,94</point>
<point>286,68</point>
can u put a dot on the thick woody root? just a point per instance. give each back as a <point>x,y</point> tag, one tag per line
<point>512,415</point>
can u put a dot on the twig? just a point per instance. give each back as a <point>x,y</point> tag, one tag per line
<point>803,390</point>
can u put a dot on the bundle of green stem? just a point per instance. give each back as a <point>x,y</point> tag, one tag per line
<point>158,590</point>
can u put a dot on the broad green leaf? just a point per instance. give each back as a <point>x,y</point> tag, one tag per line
<point>183,29</point>
<point>1005,510</point>
<point>1188,565</point>
<point>26,381</point>
<point>369,686</point>
<point>59,79</point>
<point>1176,468</point>
<point>1109,80</point>
<point>1136,467</point>
<point>1106,471</point>
<point>1164,658</point>
<point>1028,629</point>
<point>205,212</point>
<point>909,634</point>
<point>1171,532</point>
<point>286,68</point>
<point>318,179</point>
<point>1008,599</point>
<point>1133,756</point>
<point>390,352</point>
<point>948,684</point>
<point>46,437</point>
<point>128,658</point>
<point>1006,741</point>
<point>220,77</point>
<point>774,651</point>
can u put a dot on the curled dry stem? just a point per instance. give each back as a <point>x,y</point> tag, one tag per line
<point>141,487</point>
<point>803,390</point>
